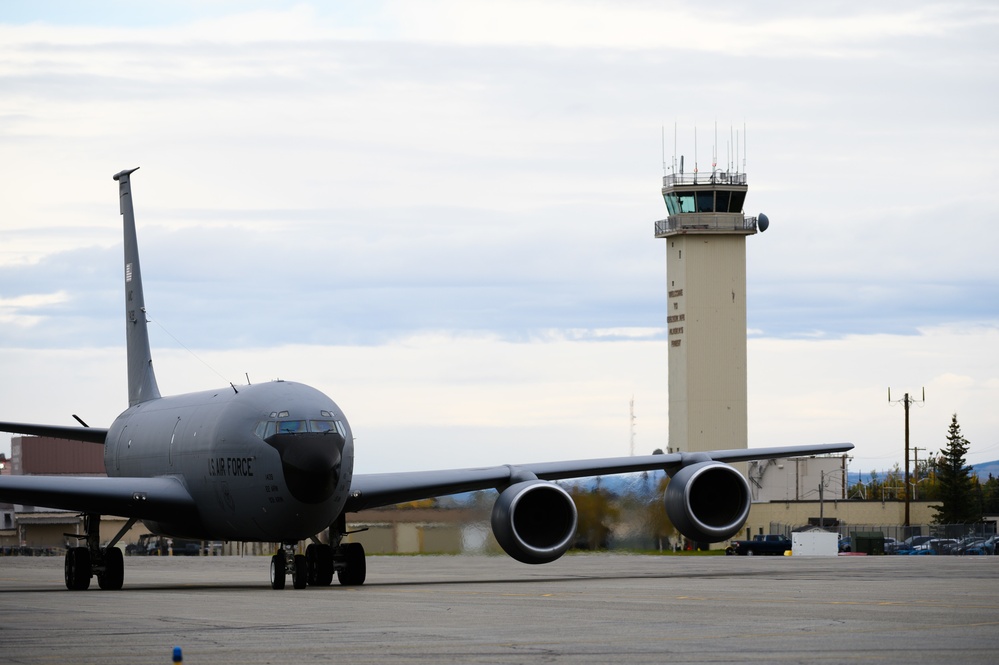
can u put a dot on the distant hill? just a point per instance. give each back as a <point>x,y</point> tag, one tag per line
<point>985,468</point>
<point>981,470</point>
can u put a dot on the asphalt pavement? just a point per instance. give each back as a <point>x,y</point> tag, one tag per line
<point>593,608</point>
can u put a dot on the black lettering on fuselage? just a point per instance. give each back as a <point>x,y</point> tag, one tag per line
<point>231,467</point>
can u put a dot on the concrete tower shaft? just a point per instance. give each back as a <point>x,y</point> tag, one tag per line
<point>706,280</point>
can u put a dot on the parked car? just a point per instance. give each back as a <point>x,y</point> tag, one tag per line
<point>909,543</point>
<point>963,545</point>
<point>152,545</point>
<point>933,546</point>
<point>985,547</point>
<point>844,545</point>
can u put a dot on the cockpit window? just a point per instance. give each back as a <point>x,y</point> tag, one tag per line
<point>267,428</point>
<point>326,426</point>
<point>291,426</point>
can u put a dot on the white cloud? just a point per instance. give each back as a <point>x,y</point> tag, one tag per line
<point>439,400</point>
<point>17,311</point>
<point>839,388</point>
<point>33,300</point>
<point>426,179</point>
<point>726,27</point>
<point>723,27</point>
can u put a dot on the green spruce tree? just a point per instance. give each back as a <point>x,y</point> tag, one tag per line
<point>956,484</point>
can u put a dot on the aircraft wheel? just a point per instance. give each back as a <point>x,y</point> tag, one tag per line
<point>114,570</point>
<point>278,570</point>
<point>320,561</point>
<point>355,569</point>
<point>299,572</point>
<point>78,569</point>
<point>312,559</point>
<point>324,565</point>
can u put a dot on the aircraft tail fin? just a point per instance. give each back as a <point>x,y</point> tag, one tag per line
<point>141,379</point>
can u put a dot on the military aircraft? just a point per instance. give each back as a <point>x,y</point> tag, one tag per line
<point>274,462</point>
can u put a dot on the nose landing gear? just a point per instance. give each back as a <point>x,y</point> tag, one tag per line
<point>286,561</point>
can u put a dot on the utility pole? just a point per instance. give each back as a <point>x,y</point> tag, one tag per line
<point>906,402</point>
<point>822,504</point>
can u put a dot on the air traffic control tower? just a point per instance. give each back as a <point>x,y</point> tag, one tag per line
<point>705,237</point>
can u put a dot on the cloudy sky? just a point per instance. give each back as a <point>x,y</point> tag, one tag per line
<point>441,213</point>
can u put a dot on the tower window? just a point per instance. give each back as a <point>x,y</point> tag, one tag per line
<point>735,204</point>
<point>685,201</point>
<point>671,203</point>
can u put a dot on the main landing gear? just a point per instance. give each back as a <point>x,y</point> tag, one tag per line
<point>317,566</point>
<point>84,562</point>
<point>320,562</point>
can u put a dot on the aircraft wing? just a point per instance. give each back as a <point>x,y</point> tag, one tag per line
<point>384,489</point>
<point>162,499</point>
<point>86,434</point>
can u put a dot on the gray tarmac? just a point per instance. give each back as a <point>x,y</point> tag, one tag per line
<point>594,608</point>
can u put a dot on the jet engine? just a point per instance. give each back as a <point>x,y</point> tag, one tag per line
<point>534,521</point>
<point>708,501</point>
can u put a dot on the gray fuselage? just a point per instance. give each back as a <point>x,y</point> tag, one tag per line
<point>266,462</point>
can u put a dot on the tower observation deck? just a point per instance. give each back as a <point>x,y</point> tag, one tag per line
<point>706,281</point>
<point>705,204</point>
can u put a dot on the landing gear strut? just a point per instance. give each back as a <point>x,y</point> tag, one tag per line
<point>320,562</point>
<point>84,562</point>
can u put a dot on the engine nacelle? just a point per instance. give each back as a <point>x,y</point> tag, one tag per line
<point>534,521</point>
<point>708,501</point>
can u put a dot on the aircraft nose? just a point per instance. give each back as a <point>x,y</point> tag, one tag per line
<point>310,462</point>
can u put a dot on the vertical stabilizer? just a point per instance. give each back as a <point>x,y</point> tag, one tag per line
<point>141,379</point>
